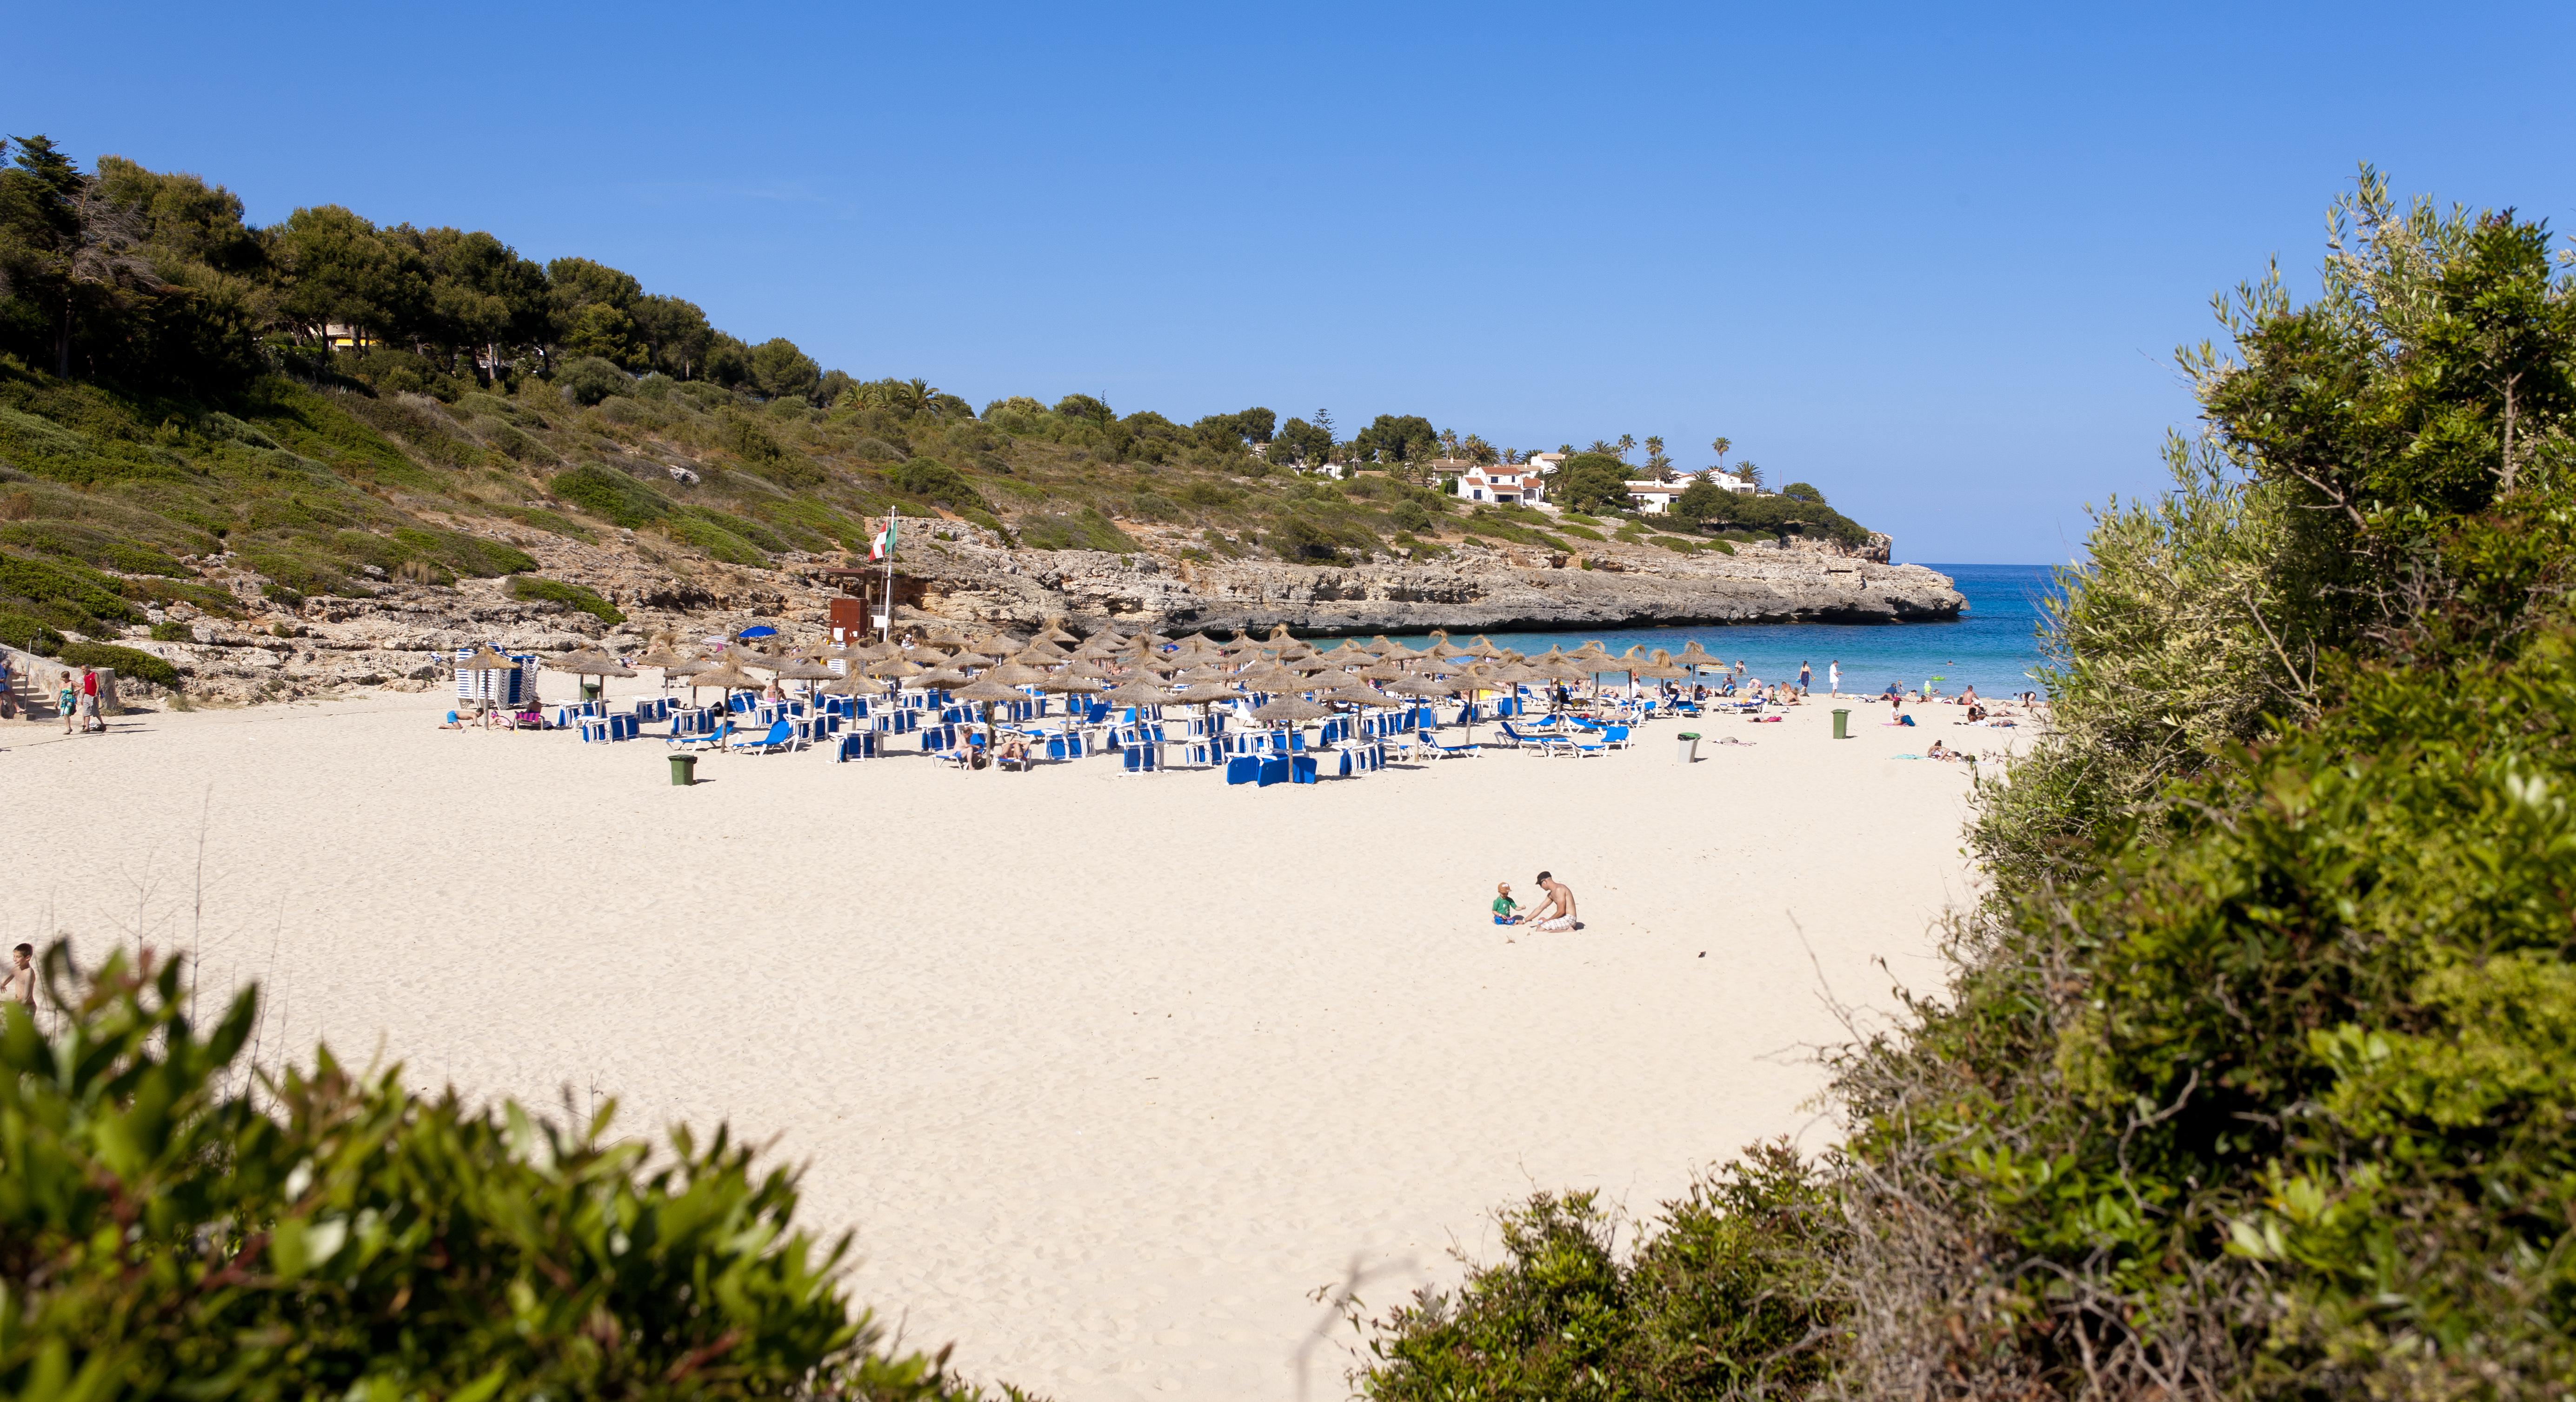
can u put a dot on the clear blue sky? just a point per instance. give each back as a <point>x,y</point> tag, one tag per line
<point>1932,259</point>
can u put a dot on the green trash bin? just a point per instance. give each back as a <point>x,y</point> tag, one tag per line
<point>1842,724</point>
<point>1690,746</point>
<point>684,770</point>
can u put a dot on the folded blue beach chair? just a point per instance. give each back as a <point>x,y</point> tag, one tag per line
<point>1242,769</point>
<point>855,744</point>
<point>1301,769</point>
<point>1273,771</point>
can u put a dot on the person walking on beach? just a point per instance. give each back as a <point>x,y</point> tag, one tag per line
<point>1834,676</point>
<point>1806,674</point>
<point>67,701</point>
<point>1557,912</point>
<point>20,986</point>
<point>89,700</point>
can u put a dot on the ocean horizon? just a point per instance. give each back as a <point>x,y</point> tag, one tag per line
<point>1993,645</point>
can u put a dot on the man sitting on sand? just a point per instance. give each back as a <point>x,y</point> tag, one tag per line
<point>1558,911</point>
<point>1504,905</point>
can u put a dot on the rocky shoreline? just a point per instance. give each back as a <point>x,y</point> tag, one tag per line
<point>397,638</point>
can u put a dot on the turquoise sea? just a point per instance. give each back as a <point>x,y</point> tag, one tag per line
<point>1993,645</point>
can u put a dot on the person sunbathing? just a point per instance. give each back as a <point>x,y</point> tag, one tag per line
<point>1941,751</point>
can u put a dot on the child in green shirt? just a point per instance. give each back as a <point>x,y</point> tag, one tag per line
<point>1504,905</point>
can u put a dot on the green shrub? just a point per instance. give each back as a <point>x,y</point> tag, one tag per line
<point>20,631</point>
<point>173,633</point>
<point>573,596</point>
<point>128,662</point>
<point>1728,1294</point>
<point>1410,516</point>
<point>715,540</point>
<point>611,495</point>
<point>1083,530</point>
<point>338,1236</point>
<point>585,380</point>
<point>67,586</point>
<point>933,480</point>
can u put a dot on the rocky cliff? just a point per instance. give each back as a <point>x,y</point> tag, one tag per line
<point>396,637</point>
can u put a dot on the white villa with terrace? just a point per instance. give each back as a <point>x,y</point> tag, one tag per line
<point>1511,486</point>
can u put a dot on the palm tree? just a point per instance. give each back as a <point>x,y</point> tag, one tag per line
<point>1603,447</point>
<point>1627,445</point>
<point>1750,472</point>
<point>1723,445</point>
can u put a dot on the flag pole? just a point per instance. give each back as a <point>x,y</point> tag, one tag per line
<point>889,576</point>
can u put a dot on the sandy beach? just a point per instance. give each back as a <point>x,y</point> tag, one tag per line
<point>1108,1073</point>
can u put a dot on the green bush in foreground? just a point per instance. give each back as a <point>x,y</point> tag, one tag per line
<point>128,662</point>
<point>1727,1295</point>
<point>174,1225</point>
<point>530,586</point>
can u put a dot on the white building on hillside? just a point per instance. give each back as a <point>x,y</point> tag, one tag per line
<point>1511,486</point>
<point>1545,464</point>
<point>1655,498</point>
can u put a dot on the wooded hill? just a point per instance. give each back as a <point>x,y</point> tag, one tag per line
<point>337,403</point>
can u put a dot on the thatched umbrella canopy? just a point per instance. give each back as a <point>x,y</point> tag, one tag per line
<point>1016,674</point>
<point>987,691</point>
<point>853,683</point>
<point>971,658</point>
<point>1381,672</point>
<point>664,657</point>
<point>1139,692</point>
<point>940,679</point>
<point>1070,685</point>
<point>1205,693</point>
<point>894,668</point>
<point>1054,633</point>
<point>726,677</point>
<point>1423,686</point>
<point>1357,695</point>
<point>1042,651</point>
<point>589,662</point>
<point>946,637</point>
<point>1289,712</point>
<point>1273,677</point>
<point>800,670</point>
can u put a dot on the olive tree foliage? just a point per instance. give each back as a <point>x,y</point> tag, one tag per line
<point>175,1223</point>
<point>2228,1094</point>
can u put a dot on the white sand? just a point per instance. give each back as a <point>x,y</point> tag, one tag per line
<point>1108,1073</point>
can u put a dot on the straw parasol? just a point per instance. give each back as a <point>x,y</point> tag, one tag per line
<point>988,691</point>
<point>726,676</point>
<point>1273,677</point>
<point>971,658</point>
<point>589,662</point>
<point>1015,674</point>
<point>1357,695</point>
<point>895,668</point>
<point>1289,710</point>
<point>1139,692</point>
<point>1054,633</point>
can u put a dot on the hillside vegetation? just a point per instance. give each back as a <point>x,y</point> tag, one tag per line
<point>331,404</point>
<point>2250,1078</point>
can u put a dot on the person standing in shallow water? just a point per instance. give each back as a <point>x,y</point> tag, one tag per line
<point>1806,674</point>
